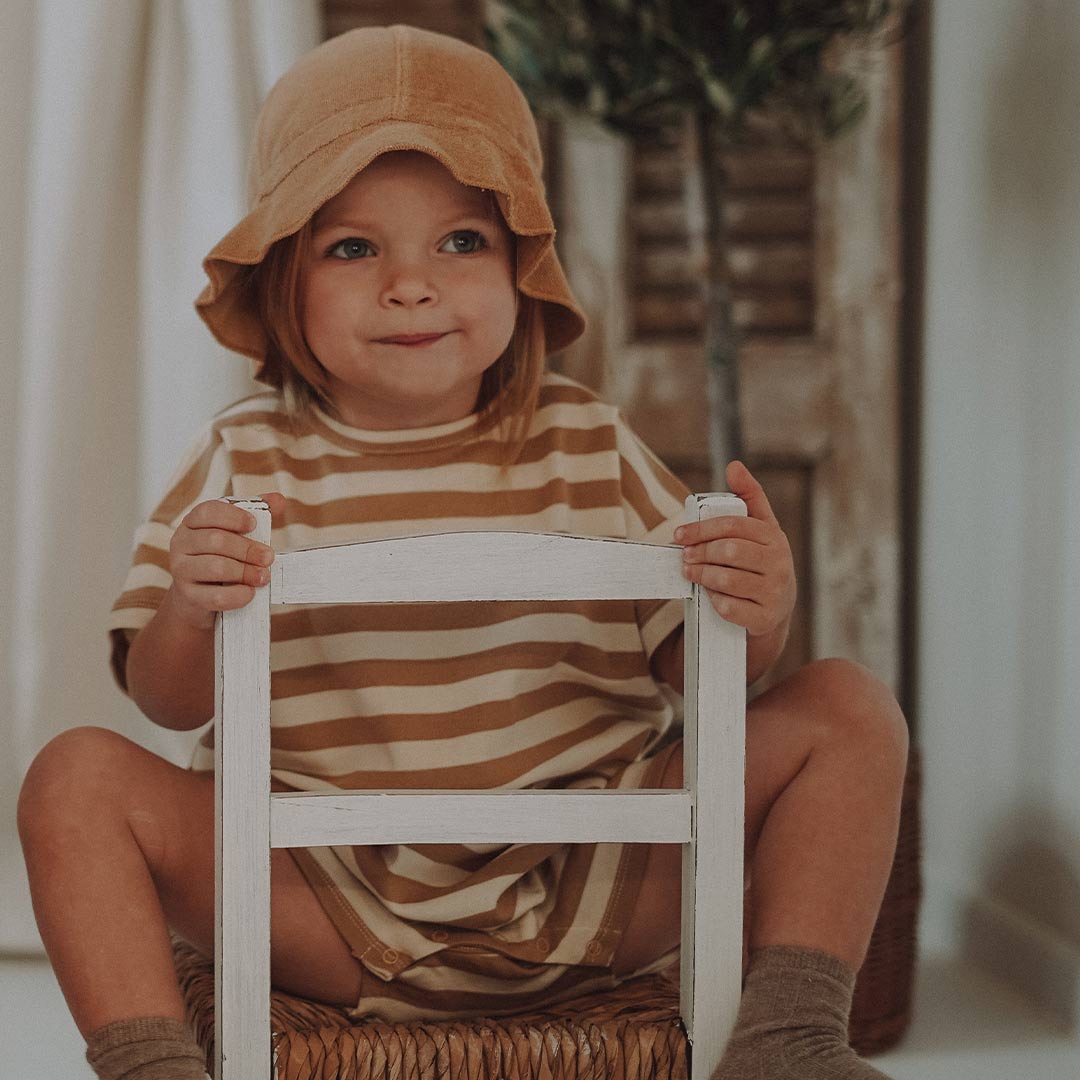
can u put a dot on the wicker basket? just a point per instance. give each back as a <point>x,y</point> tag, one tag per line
<point>881,1007</point>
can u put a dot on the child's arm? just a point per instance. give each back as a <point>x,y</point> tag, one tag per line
<point>214,567</point>
<point>745,564</point>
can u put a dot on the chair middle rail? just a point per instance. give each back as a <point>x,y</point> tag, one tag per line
<point>548,815</point>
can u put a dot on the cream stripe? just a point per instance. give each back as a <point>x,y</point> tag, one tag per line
<point>598,521</point>
<point>468,900</point>
<point>376,645</point>
<point>130,619</point>
<point>256,438</point>
<point>594,749</point>
<point>464,694</point>
<point>408,863</point>
<point>592,905</point>
<point>154,534</point>
<point>472,748</point>
<point>453,477</point>
<point>147,576</point>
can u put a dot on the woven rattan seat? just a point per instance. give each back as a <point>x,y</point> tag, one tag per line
<point>630,1033</point>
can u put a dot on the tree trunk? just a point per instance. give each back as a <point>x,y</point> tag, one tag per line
<point>721,343</point>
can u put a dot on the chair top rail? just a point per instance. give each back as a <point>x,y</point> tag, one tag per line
<point>483,565</point>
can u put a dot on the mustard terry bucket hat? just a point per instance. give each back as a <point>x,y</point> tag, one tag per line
<point>365,93</point>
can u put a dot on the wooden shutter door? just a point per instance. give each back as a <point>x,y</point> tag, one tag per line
<point>815,273</point>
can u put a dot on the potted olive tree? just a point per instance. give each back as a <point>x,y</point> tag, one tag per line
<point>634,66</point>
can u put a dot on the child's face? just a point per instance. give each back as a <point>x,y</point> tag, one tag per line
<point>405,250</point>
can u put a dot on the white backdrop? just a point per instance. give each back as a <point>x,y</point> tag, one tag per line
<point>122,158</point>
<point>999,537</point>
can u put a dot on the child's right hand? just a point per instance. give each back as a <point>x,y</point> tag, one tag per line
<point>214,566</point>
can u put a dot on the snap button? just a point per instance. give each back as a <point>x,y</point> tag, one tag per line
<point>439,935</point>
<point>390,956</point>
<point>543,945</point>
<point>593,948</point>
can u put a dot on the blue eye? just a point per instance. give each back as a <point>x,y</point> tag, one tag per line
<point>351,247</point>
<point>466,241</point>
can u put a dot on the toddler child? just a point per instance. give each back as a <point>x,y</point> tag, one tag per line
<point>396,284</point>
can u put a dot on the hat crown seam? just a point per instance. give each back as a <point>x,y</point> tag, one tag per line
<point>399,71</point>
<point>462,122</point>
<point>458,119</point>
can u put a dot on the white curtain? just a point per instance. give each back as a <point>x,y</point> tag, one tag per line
<point>122,158</point>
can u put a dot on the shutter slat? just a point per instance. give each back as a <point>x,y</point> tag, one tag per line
<point>769,218</point>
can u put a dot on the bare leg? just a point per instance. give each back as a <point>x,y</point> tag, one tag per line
<point>119,846</point>
<point>826,751</point>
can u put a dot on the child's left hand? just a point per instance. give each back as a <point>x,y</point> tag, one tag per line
<point>744,563</point>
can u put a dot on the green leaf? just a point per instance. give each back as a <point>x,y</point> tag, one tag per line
<point>718,95</point>
<point>761,51</point>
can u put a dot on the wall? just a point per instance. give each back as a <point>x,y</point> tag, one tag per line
<point>16,28</point>
<point>999,535</point>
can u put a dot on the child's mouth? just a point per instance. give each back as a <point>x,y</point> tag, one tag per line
<point>411,340</point>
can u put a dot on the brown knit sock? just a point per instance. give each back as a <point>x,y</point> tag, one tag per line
<point>793,1020</point>
<point>147,1048</point>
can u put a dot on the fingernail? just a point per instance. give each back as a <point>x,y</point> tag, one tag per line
<point>679,533</point>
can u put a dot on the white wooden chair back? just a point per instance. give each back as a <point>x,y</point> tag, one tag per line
<point>706,818</point>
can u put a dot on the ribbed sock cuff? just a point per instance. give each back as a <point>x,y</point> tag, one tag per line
<point>796,958</point>
<point>145,1048</point>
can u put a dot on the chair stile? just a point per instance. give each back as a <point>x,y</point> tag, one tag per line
<point>705,817</point>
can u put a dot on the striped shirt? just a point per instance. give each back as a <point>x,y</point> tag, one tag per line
<point>460,695</point>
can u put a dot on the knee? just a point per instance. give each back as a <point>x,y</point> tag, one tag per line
<point>68,777</point>
<point>855,704</point>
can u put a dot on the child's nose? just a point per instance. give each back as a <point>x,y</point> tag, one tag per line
<point>408,286</point>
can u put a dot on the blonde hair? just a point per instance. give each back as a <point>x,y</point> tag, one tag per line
<point>509,389</point>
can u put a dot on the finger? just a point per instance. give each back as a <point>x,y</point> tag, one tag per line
<point>219,514</point>
<point>741,554</point>
<point>727,525</point>
<point>217,570</point>
<point>738,584</point>
<point>745,613</point>
<point>742,483</point>
<point>221,597</point>
<point>230,545</point>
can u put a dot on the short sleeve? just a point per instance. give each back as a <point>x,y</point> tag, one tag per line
<point>653,501</point>
<point>203,473</point>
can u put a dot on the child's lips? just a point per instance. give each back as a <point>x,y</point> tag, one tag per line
<point>411,339</point>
